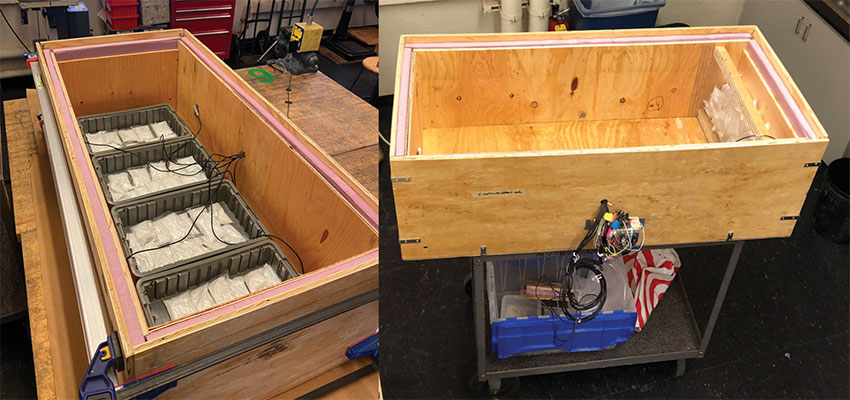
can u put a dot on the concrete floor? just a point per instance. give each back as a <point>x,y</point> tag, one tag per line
<point>783,332</point>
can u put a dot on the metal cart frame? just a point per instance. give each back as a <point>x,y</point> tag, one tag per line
<point>673,334</point>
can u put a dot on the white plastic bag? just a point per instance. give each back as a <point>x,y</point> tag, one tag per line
<point>103,141</point>
<point>201,298</point>
<point>727,117</point>
<point>144,233</point>
<point>220,215</point>
<point>143,133</point>
<point>128,136</point>
<point>162,130</point>
<point>229,234</point>
<point>261,278</point>
<point>119,184</point>
<point>179,305</point>
<point>140,176</point>
<point>224,289</point>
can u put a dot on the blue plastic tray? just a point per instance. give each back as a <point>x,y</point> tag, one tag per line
<point>532,334</point>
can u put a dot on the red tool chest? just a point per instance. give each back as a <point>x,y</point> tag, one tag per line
<point>211,21</point>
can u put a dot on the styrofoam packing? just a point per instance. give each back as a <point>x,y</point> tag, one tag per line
<point>119,138</point>
<point>727,117</point>
<point>154,177</point>
<point>171,229</point>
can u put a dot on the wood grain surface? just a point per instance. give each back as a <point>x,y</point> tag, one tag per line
<point>57,338</point>
<point>572,135</point>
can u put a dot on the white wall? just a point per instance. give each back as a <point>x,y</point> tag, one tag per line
<point>465,16</point>
<point>11,52</point>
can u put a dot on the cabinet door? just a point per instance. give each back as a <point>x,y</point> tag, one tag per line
<point>820,65</point>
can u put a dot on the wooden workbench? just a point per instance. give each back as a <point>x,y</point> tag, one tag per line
<point>339,121</point>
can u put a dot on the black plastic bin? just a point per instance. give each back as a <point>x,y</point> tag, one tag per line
<point>137,116</point>
<point>118,161</point>
<point>832,210</point>
<point>151,208</point>
<point>155,288</point>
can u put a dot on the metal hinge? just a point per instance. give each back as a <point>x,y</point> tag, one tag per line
<point>406,241</point>
<point>729,236</point>
<point>811,164</point>
<point>400,179</point>
<point>789,217</point>
<point>483,250</point>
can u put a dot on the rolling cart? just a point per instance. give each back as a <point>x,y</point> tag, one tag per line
<point>671,334</point>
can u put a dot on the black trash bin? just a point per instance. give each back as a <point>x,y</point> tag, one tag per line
<point>832,211</point>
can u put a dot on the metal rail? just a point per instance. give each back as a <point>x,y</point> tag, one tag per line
<point>82,268</point>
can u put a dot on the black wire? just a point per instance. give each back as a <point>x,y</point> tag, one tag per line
<point>754,136</point>
<point>13,31</point>
<point>269,235</point>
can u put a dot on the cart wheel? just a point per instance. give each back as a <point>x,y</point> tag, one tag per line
<point>467,284</point>
<point>508,389</point>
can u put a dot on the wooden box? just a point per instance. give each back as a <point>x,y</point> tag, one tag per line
<point>298,192</point>
<point>507,143</point>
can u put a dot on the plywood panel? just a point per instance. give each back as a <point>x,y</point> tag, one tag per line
<point>574,135</point>
<point>287,362</point>
<point>283,190</point>
<point>453,88</point>
<point>540,202</point>
<point>115,83</point>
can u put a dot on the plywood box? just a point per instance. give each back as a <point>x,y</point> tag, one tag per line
<point>296,190</point>
<point>506,143</point>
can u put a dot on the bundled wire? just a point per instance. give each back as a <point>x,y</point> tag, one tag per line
<point>618,234</point>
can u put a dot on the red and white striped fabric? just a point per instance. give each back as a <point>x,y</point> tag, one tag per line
<point>650,274</point>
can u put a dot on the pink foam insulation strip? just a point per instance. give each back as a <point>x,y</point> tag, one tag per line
<point>306,279</point>
<point>401,116</point>
<point>401,133</point>
<point>786,101</point>
<point>113,256</point>
<point>115,49</point>
<point>102,220</point>
<point>336,181</point>
<point>585,41</point>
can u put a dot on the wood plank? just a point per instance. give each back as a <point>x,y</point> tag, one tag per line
<point>335,374</point>
<point>573,135</point>
<point>58,347</point>
<point>367,35</point>
<point>362,163</point>
<point>766,103</point>
<point>107,39</point>
<point>122,82</point>
<point>288,362</point>
<point>300,207</point>
<point>455,88</point>
<point>336,119</point>
<point>540,202</point>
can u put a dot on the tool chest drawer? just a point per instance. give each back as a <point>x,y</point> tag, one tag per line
<point>211,21</point>
<point>699,130</point>
<point>320,220</point>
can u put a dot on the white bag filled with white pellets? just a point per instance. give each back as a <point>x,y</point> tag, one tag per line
<point>201,298</point>
<point>261,278</point>
<point>143,133</point>
<point>179,305</point>
<point>103,141</point>
<point>119,185</point>
<point>224,289</point>
<point>727,117</point>
<point>161,130</point>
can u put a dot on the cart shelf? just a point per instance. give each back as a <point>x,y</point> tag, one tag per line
<point>671,334</point>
